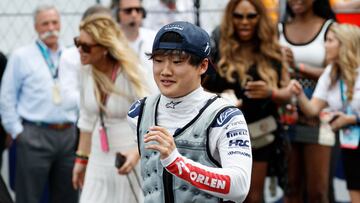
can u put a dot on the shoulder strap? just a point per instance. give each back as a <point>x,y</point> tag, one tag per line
<point>203,113</point>
<point>326,27</point>
<point>280,28</point>
<point>142,104</point>
<point>146,104</point>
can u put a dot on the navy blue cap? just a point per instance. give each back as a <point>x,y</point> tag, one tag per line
<point>195,40</point>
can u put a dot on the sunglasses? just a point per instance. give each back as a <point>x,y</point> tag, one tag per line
<point>86,48</point>
<point>129,10</point>
<point>250,16</point>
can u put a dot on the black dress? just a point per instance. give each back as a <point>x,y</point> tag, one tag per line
<point>253,109</point>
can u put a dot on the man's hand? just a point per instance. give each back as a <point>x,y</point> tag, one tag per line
<point>163,141</point>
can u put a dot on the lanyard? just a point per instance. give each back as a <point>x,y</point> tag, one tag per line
<point>54,70</point>
<point>346,105</point>
<point>105,99</point>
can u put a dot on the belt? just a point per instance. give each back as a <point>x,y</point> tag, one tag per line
<point>54,126</point>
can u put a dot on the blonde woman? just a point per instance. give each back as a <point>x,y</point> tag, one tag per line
<point>339,89</point>
<point>111,81</point>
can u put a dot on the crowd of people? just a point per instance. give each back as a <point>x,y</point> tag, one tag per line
<point>130,114</point>
<point>303,34</point>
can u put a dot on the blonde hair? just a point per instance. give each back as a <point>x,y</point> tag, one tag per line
<point>348,56</point>
<point>267,49</point>
<point>105,31</point>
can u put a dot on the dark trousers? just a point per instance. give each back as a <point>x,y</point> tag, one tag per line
<point>42,155</point>
<point>2,142</point>
<point>4,193</point>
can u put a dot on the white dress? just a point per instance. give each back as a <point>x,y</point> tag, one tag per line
<point>102,182</point>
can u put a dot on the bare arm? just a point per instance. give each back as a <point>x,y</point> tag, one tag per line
<point>341,120</point>
<point>309,71</point>
<point>80,168</point>
<point>300,69</point>
<point>311,107</point>
<point>84,142</point>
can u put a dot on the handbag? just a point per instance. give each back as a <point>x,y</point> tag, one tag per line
<point>349,137</point>
<point>261,132</point>
<point>326,134</point>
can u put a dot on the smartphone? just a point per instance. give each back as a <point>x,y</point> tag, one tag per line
<point>119,160</point>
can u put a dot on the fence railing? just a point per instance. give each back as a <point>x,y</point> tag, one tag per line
<point>17,26</point>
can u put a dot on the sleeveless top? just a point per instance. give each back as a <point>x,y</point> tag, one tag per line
<point>311,53</point>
